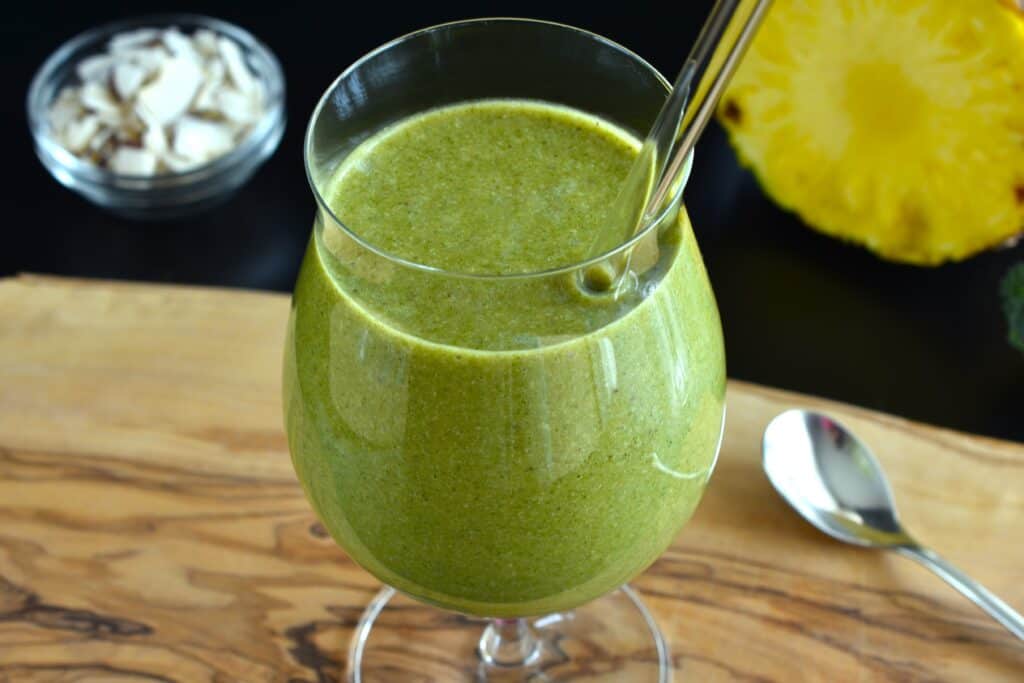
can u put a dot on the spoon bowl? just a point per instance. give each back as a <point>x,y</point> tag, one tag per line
<point>831,478</point>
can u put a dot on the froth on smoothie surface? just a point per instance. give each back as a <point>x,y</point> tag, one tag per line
<point>491,186</point>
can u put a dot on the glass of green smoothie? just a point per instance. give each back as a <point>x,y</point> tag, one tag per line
<point>474,426</point>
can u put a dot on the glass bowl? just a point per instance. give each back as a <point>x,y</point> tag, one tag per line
<point>169,194</point>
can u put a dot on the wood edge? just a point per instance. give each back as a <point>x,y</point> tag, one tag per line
<point>1012,450</point>
<point>62,281</point>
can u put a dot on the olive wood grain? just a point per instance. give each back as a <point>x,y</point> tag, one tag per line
<point>151,528</point>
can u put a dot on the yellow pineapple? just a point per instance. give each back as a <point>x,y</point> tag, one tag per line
<point>897,124</point>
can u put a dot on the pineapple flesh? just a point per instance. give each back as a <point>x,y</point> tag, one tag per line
<point>896,124</point>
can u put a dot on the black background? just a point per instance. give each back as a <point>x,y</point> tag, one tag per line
<point>800,311</point>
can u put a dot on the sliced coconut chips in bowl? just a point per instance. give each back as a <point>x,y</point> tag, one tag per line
<point>159,116</point>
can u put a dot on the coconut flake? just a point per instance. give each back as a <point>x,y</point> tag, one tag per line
<point>78,133</point>
<point>112,119</point>
<point>94,68</point>
<point>205,42</point>
<point>158,100</point>
<point>66,108</point>
<point>205,100</point>
<point>177,163</point>
<point>201,140</point>
<point>155,140</point>
<point>102,136</point>
<point>132,39</point>
<point>235,63</point>
<point>149,59</point>
<point>237,107</point>
<point>169,95</point>
<point>179,45</point>
<point>133,161</point>
<point>97,97</point>
<point>127,79</point>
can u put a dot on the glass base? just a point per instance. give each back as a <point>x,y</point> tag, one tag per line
<point>610,639</point>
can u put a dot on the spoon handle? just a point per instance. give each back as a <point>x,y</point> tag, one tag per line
<point>970,588</point>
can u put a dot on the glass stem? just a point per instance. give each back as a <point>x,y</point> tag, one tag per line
<point>508,644</point>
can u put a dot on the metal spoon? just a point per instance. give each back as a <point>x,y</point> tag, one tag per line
<point>835,483</point>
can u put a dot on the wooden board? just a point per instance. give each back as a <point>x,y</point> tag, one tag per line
<point>151,528</point>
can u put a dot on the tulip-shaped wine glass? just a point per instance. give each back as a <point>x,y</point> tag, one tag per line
<point>470,425</point>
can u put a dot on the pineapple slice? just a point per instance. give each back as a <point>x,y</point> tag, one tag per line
<point>896,124</point>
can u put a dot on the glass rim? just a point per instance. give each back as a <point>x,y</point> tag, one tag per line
<point>416,265</point>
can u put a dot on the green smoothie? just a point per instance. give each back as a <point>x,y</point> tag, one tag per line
<point>501,446</point>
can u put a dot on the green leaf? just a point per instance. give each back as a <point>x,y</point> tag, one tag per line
<point>1012,291</point>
